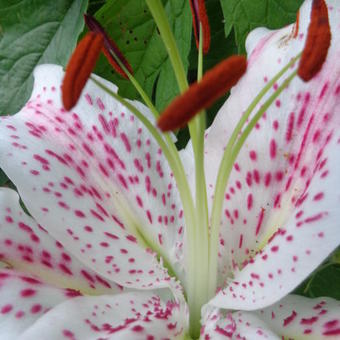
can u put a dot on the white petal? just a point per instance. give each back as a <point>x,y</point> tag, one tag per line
<point>23,300</point>
<point>26,246</point>
<point>298,317</point>
<point>92,177</point>
<point>276,163</point>
<point>298,247</point>
<point>219,324</point>
<point>125,316</point>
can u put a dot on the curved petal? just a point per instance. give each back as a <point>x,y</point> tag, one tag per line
<point>23,300</point>
<point>96,180</point>
<point>27,247</point>
<point>278,160</point>
<point>125,316</point>
<point>219,324</point>
<point>299,245</point>
<point>298,317</point>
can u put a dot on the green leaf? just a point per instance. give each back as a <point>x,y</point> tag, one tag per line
<point>131,26</point>
<point>3,178</point>
<point>34,32</point>
<point>326,282</point>
<point>245,15</point>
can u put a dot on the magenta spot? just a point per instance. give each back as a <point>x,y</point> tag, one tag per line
<point>27,292</point>
<point>114,237</point>
<point>272,149</point>
<point>318,196</point>
<point>253,155</point>
<point>275,125</point>
<point>332,332</point>
<point>260,220</point>
<point>308,321</point>
<point>67,333</point>
<point>249,201</point>
<point>6,309</point>
<point>289,319</point>
<point>314,218</point>
<point>131,238</point>
<point>274,249</point>
<point>122,181</point>
<point>79,213</point>
<point>88,99</point>
<point>125,141</point>
<point>65,269</point>
<point>100,104</point>
<point>323,90</point>
<point>267,179</point>
<point>303,109</point>
<point>240,241</point>
<point>36,308</point>
<point>256,176</point>
<point>19,314</point>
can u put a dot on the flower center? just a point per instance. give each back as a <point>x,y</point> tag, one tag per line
<point>202,230</point>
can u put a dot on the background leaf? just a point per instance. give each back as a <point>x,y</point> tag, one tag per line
<point>245,15</point>
<point>33,32</point>
<point>131,26</point>
<point>325,282</point>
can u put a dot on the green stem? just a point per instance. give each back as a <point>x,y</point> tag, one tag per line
<point>160,17</point>
<point>229,157</point>
<point>198,296</point>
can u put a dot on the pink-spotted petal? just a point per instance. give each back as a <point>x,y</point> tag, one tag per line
<point>93,176</point>
<point>26,246</point>
<point>278,161</point>
<point>125,316</point>
<point>297,317</point>
<point>219,325</point>
<point>23,300</point>
<point>301,243</point>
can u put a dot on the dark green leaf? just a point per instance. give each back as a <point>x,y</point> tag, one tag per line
<point>245,15</point>
<point>33,32</point>
<point>325,282</point>
<point>3,178</point>
<point>131,26</point>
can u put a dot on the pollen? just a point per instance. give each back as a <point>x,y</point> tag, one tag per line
<point>317,42</point>
<point>201,95</point>
<point>79,68</point>
<point>199,16</point>
<point>110,49</point>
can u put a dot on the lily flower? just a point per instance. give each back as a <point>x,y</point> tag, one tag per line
<point>116,246</point>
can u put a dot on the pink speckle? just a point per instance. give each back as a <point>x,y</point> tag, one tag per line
<point>36,308</point>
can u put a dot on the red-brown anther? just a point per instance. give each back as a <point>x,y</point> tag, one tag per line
<point>296,26</point>
<point>110,50</point>
<point>79,68</point>
<point>215,83</point>
<point>199,16</point>
<point>317,42</point>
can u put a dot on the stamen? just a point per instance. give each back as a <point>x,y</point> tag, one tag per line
<point>296,26</point>
<point>110,50</point>
<point>317,42</point>
<point>199,16</point>
<point>79,68</point>
<point>199,96</point>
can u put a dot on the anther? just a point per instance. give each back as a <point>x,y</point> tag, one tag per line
<point>201,95</point>
<point>317,42</point>
<point>79,68</point>
<point>110,50</point>
<point>199,16</point>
